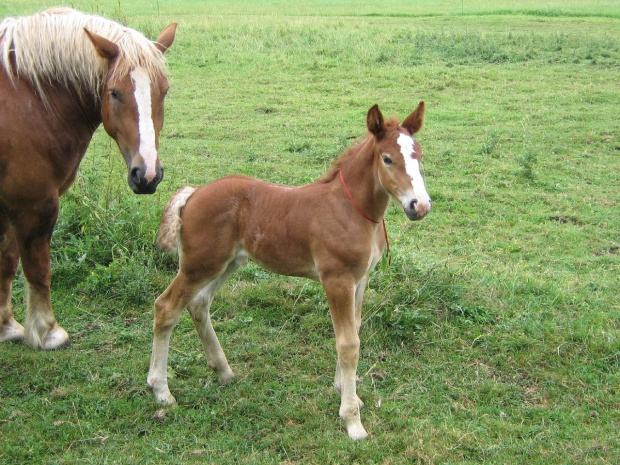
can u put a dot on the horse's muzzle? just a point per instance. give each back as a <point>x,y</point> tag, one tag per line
<point>140,184</point>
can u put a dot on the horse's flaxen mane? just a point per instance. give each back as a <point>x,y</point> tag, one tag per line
<point>337,164</point>
<point>52,47</point>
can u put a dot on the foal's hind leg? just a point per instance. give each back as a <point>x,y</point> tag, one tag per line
<point>168,308</point>
<point>199,310</point>
<point>10,330</point>
<point>33,230</point>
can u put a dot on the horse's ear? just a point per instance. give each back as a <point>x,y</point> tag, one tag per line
<point>375,123</point>
<point>415,120</point>
<point>104,47</point>
<point>165,39</point>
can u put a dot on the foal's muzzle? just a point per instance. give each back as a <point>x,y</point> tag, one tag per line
<point>416,210</point>
<point>140,184</point>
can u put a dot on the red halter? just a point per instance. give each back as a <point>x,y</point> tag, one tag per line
<point>359,210</point>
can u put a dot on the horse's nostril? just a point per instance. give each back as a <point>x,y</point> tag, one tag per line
<point>413,203</point>
<point>134,175</point>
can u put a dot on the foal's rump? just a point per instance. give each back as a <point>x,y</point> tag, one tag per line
<point>269,223</point>
<point>216,202</point>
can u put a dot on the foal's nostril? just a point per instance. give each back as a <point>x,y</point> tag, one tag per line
<point>413,203</point>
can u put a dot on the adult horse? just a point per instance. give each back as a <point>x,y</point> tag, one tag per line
<point>328,231</point>
<point>63,73</point>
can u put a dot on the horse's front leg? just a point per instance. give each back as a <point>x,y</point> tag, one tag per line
<point>341,298</point>
<point>10,330</point>
<point>34,231</point>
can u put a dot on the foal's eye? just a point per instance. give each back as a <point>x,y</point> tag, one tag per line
<point>387,161</point>
<point>114,93</point>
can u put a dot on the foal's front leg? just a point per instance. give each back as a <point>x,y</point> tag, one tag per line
<point>341,298</point>
<point>359,297</point>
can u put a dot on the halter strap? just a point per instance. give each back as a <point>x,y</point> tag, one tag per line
<point>361,212</point>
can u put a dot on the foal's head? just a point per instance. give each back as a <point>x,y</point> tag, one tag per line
<point>399,156</point>
<point>132,109</point>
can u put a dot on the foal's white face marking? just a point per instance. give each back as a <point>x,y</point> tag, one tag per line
<point>412,166</point>
<point>147,148</point>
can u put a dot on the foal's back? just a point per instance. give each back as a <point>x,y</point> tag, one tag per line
<point>275,225</point>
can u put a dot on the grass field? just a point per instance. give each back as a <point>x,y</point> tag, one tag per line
<point>494,337</point>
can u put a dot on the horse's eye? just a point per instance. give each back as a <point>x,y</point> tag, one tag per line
<point>114,93</point>
<point>387,161</point>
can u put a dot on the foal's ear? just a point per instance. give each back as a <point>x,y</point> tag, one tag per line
<point>105,48</point>
<point>374,122</point>
<point>166,37</point>
<point>415,120</point>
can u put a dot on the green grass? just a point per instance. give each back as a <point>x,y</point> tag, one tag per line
<point>494,336</point>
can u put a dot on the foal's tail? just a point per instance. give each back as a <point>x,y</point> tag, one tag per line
<point>170,226</point>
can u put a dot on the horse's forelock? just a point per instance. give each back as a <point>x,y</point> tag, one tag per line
<point>52,47</point>
<point>136,51</point>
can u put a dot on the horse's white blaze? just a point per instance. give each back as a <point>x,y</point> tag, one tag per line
<point>412,166</point>
<point>147,148</point>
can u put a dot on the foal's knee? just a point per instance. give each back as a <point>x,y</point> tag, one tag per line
<point>348,349</point>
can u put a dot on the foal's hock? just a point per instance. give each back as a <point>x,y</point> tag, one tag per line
<point>328,231</point>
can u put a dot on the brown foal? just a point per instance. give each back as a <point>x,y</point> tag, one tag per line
<point>327,231</point>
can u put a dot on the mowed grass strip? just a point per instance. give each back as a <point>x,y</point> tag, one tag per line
<point>494,335</point>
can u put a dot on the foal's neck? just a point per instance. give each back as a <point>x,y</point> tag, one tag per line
<point>360,174</point>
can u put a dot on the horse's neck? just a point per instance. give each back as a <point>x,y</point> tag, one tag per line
<point>71,123</point>
<point>80,116</point>
<point>360,174</point>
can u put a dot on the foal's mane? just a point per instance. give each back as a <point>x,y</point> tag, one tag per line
<point>52,48</point>
<point>350,153</point>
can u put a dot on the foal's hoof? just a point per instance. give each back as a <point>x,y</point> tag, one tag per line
<point>353,422</point>
<point>57,338</point>
<point>162,394</point>
<point>166,399</point>
<point>226,377</point>
<point>12,332</point>
<point>357,432</point>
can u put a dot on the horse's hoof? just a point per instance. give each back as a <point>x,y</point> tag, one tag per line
<point>12,332</point>
<point>56,339</point>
